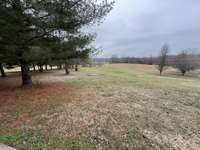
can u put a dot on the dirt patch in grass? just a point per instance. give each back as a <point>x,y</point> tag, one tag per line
<point>20,106</point>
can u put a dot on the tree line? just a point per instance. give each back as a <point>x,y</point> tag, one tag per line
<point>47,33</point>
<point>185,61</point>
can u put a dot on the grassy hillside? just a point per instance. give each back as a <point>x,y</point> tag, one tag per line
<point>117,106</point>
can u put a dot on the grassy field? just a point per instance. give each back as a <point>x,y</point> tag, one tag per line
<point>116,106</point>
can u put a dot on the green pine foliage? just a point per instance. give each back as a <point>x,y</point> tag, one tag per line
<point>46,32</point>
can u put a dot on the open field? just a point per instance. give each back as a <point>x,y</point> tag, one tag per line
<point>118,106</point>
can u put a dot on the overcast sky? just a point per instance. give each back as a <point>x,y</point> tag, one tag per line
<point>141,27</point>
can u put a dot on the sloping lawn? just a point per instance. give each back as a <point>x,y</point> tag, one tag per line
<point>116,106</point>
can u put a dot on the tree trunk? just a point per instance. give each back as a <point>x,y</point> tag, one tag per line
<point>46,67</point>
<point>183,73</point>
<point>66,68</point>
<point>60,66</point>
<point>51,67</point>
<point>2,71</point>
<point>34,69</point>
<point>25,72</point>
<point>41,68</point>
<point>76,67</point>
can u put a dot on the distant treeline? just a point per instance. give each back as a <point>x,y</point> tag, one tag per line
<point>171,59</point>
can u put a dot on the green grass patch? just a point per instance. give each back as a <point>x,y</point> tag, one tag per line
<point>37,141</point>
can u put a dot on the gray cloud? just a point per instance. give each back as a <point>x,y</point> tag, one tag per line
<point>141,27</point>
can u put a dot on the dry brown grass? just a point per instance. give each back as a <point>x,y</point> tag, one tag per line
<point>106,111</point>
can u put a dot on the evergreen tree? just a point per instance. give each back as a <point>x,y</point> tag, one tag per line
<point>27,23</point>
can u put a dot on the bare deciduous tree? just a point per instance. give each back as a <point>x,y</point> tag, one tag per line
<point>162,60</point>
<point>185,62</point>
